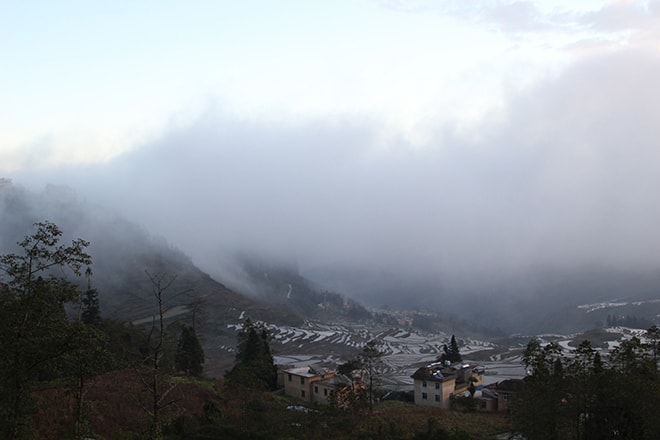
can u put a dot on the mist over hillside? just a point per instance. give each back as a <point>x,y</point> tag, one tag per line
<point>549,203</point>
<point>543,300</point>
<point>124,258</point>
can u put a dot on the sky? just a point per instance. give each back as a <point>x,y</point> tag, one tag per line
<point>434,137</point>
<point>85,81</point>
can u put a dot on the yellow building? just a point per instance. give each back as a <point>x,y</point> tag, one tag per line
<point>434,385</point>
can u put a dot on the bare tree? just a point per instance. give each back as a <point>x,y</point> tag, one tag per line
<point>156,380</point>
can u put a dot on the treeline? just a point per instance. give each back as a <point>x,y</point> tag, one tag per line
<point>434,322</point>
<point>631,321</point>
<point>66,372</point>
<point>52,331</point>
<point>581,395</point>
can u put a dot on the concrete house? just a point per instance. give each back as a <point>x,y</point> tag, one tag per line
<point>322,389</point>
<point>487,401</point>
<point>506,390</point>
<point>434,385</point>
<point>466,374</point>
<point>303,383</point>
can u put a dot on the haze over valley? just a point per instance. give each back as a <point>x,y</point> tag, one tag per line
<point>394,219</point>
<point>494,164</point>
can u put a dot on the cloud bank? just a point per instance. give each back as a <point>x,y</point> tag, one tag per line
<point>566,177</point>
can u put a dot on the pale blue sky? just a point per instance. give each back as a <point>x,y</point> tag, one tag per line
<point>82,81</point>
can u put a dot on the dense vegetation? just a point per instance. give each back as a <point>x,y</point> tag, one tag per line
<point>581,395</point>
<point>69,373</point>
<point>36,337</point>
<point>51,332</point>
<point>214,410</point>
<point>66,372</point>
<point>254,367</point>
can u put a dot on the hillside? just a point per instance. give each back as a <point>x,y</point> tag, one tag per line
<point>306,318</point>
<point>123,255</point>
<point>543,299</point>
<point>203,410</point>
<point>281,283</point>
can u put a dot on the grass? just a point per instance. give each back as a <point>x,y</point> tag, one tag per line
<point>114,411</point>
<point>395,419</point>
<point>417,418</point>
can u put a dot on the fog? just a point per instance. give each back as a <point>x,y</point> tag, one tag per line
<point>564,177</point>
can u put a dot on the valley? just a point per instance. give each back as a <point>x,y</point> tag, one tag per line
<point>404,350</point>
<point>305,323</point>
<point>309,322</point>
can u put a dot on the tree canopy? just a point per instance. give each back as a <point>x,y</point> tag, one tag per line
<point>451,354</point>
<point>189,356</point>
<point>580,395</point>
<point>34,329</point>
<point>254,366</point>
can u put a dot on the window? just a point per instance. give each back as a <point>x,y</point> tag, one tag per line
<point>290,377</point>
<point>505,396</point>
<point>316,389</point>
<point>437,398</point>
<point>325,391</point>
<point>302,381</point>
<point>424,396</point>
<point>302,393</point>
<point>424,383</point>
<point>437,386</point>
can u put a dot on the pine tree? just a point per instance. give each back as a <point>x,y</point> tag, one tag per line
<point>451,354</point>
<point>91,312</point>
<point>371,359</point>
<point>454,351</point>
<point>597,364</point>
<point>254,366</point>
<point>189,356</point>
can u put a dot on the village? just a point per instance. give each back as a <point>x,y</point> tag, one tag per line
<point>442,385</point>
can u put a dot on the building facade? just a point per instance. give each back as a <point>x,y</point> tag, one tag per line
<point>434,385</point>
<point>303,383</point>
